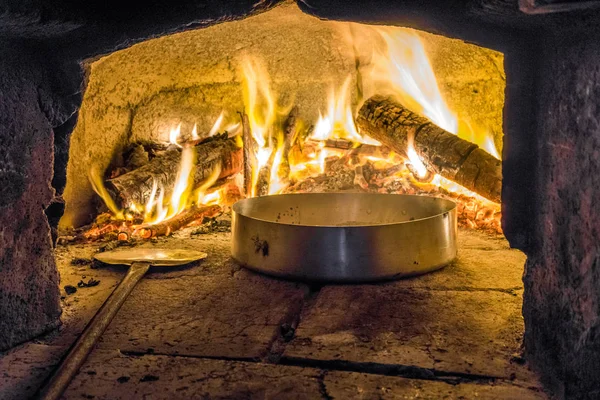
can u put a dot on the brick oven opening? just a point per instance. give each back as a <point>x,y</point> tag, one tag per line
<point>174,130</point>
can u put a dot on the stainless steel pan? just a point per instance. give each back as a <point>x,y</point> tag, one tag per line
<point>344,237</point>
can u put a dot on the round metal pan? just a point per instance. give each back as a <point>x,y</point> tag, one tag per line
<point>344,237</point>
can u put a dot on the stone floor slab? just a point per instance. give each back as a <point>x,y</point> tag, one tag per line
<point>464,319</point>
<point>24,369</point>
<point>473,332</point>
<point>483,262</point>
<point>343,385</point>
<point>111,375</point>
<point>236,316</point>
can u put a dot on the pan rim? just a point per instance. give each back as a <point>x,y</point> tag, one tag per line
<point>451,207</point>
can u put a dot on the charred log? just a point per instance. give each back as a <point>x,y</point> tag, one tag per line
<point>135,187</point>
<point>442,152</point>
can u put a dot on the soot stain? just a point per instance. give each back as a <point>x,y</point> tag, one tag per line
<point>260,246</point>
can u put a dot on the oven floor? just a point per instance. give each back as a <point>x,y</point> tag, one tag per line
<point>217,331</point>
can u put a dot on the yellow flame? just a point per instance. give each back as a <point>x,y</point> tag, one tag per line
<point>208,182</point>
<point>484,139</point>
<point>276,184</point>
<point>416,162</point>
<point>403,67</point>
<point>151,203</point>
<point>182,183</point>
<point>454,187</point>
<point>232,129</point>
<point>259,101</point>
<point>212,198</point>
<point>216,125</point>
<point>159,211</point>
<point>195,133</point>
<point>98,186</point>
<point>261,108</point>
<point>174,135</point>
<point>489,146</point>
<point>338,121</point>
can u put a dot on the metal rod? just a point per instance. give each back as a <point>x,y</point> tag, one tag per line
<point>92,332</point>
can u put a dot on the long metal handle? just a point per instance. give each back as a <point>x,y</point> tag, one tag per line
<point>92,332</point>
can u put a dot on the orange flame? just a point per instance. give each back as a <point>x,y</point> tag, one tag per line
<point>404,67</point>
<point>98,186</point>
<point>262,111</point>
<point>338,121</point>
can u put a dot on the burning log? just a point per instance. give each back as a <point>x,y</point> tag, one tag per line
<point>289,136</point>
<point>442,152</point>
<point>185,218</point>
<point>262,183</point>
<point>135,187</point>
<point>249,147</point>
<point>358,149</point>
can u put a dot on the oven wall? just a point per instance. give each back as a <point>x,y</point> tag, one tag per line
<point>562,277</point>
<point>33,100</point>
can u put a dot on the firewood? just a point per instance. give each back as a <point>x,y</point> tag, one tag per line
<point>359,149</point>
<point>359,178</point>
<point>249,145</point>
<point>179,221</point>
<point>442,152</point>
<point>262,183</point>
<point>289,137</point>
<point>135,187</point>
<point>343,144</point>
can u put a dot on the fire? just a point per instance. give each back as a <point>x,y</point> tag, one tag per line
<point>195,132</point>
<point>216,125</point>
<point>98,185</point>
<point>174,135</point>
<point>400,68</point>
<point>181,190</point>
<point>403,67</point>
<point>160,208</point>
<point>201,196</point>
<point>338,121</point>
<point>262,111</point>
